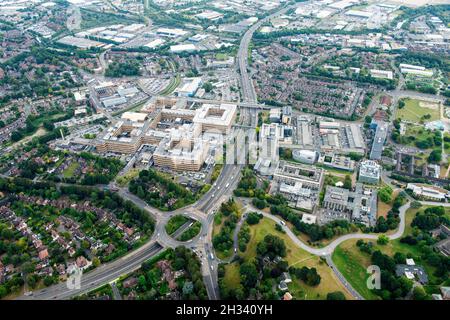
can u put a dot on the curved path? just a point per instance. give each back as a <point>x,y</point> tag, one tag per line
<point>328,250</point>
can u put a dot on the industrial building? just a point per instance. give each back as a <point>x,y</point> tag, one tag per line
<point>369,172</point>
<point>341,138</point>
<point>171,32</point>
<point>189,47</point>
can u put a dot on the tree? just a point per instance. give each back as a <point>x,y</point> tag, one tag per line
<point>385,194</point>
<point>48,125</point>
<point>336,295</point>
<point>96,262</point>
<point>348,182</point>
<point>313,278</point>
<point>435,156</point>
<point>420,294</point>
<point>48,281</point>
<point>253,218</point>
<point>258,203</point>
<point>416,204</point>
<point>16,136</point>
<point>188,287</point>
<point>399,258</point>
<point>272,246</point>
<point>382,239</point>
<point>208,87</point>
<point>249,274</point>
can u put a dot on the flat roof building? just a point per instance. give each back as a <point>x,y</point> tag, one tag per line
<point>428,192</point>
<point>216,117</point>
<point>183,149</point>
<point>305,156</point>
<point>177,132</point>
<point>378,141</point>
<point>134,116</point>
<point>171,32</point>
<point>369,172</point>
<point>189,47</point>
<point>360,203</point>
<point>190,87</point>
<point>309,176</point>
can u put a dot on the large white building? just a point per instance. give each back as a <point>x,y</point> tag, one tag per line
<point>182,145</point>
<point>184,149</point>
<point>216,117</point>
<point>369,172</point>
<point>189,47</point>
<point>305,156</point>
<point>428,192</point>
<point>190,87</point>
<point>171,33</point>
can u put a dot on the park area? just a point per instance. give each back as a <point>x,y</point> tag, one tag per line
<point>353,263</point>
<point>295,257</point>
<point>417,111</point>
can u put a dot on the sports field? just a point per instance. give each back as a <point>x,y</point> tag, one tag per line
<point>417,110</point>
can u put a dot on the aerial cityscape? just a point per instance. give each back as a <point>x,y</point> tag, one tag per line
<point>224,150</point>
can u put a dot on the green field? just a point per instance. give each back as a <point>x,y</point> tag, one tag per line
<point>232,277</point>
<point>123,181</point>
<point>352,262</point>
<point>298,258</point>
<point>70,171</point>
<point>414,111</point>
<point>175,223</point>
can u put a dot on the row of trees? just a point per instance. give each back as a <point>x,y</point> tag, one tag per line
<point>223,241</point>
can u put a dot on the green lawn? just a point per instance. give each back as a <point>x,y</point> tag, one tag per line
<point>415,109</point>
<point>221,56</point>
<point>298,258</point>
<point>267,226</point>
<point>352,263</point>
<point>123,181</point>
<point>232,277</point>
<point>175,223</point>
<point>70,171</point>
